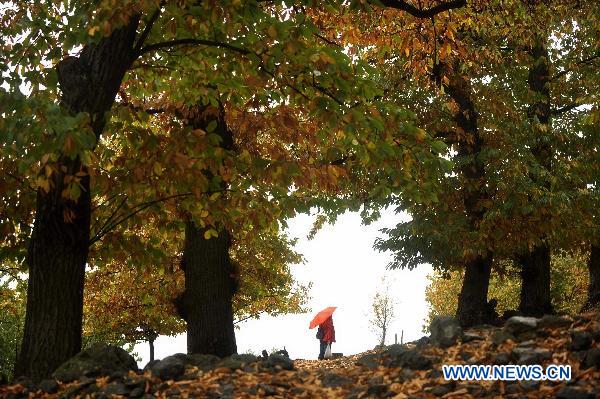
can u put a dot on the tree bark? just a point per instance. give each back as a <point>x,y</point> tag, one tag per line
<point>472,301</point>
<point>209,288</point>
<point>58,247</point>
<point>535,263</point>
<point>535,276</point>
<point>593,299</point>
<point>210,278</point>
<point>151,343</point>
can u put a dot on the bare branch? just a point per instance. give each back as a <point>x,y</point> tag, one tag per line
<point>423,13</point>
<point>191,42</point>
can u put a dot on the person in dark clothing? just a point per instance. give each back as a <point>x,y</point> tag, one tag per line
<point>326,336</point>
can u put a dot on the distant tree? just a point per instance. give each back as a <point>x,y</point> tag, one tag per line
<point>568,289</point>
<point>383,308</point>
<point>12,317</point>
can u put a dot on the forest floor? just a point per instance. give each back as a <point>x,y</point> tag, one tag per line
<point>399,372</point>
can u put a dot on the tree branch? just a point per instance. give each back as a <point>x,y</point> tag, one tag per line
<point>192,42</point>
<point>422,13</point>
<point>138,45</point>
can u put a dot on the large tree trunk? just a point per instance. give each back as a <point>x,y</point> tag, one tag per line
<point>472,302</point>
<point>210,278</point>
<point>535,276</point>
<point>593,299</point>
<point>535,263</point>
<point>209,288</point>
<point>58,247</point>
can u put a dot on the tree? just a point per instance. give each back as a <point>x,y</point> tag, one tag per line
<point>70,98</point>
<point>568,291</point>
<point>383,308</point>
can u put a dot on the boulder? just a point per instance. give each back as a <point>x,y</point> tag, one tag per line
<point>171,367</point>
<point>333,380</point>
<point>580,340</point>
<point>501,336</point>
<point>278,362</point>
<point>97,360</point>
<point>445,331</point>
<point>400,356</point>
<point>522,327</point>
<point>592,358</point>
<point>531,355</point>
<point>552,321</point>
<point>469,337</point>
<point>203,362</point>
<point>574,393</point>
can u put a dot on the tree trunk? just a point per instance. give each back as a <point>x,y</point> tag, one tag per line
<point>593,299</point>
<point>472,301</point>
<point>151,343</point>
<point>58,248</point>
<point>209,288</point>
<point>535,273</point>
<point>535,276</point>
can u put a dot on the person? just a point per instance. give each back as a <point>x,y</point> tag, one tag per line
<point>326,336</point>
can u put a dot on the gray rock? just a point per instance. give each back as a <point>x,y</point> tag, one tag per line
<point>422,342</point>
<point>203,362</point>
<point>377,390</point>
<point>469,337</point>
<point>48,386</point>
<point>442,389</point>
<point>501,336</point>
<point>369,361</point>
<point>278,362</point>
<point>399,356</point>
<point>519,325</point>
<point>530,385</point>
<point>136,392</point>
<point>551,321</point>
<point>97,360</point>
<point>269,390</point>
<point>574,393</point>
<point>580,340</point>
<point>149,365</point>
<point>592,358</point>
<point>171,367</point>
<point>115,388</point>
<point>501,358</point>
<point>333,380</point>
<point>445,331</point>
<point>531,355</point>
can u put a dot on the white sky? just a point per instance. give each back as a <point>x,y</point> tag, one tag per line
<point>346,272</point>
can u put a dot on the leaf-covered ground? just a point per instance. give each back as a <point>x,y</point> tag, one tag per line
<point>410,371</point>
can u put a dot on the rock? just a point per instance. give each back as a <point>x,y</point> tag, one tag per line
<point>574,393</point>
<point>551,321</point>
<point>442,389</point>
<point>369,361</point>
<point>115,388</point>
<point>592,358</point>
<point>501,336</point>
<point>445,331</point>
<point>377,390</point>
<point>501,358</point>
<point>149,365</point>
<point>203,362</point>
<point>171,367</point>
<point>279,362</point>
<point>269,390</point>
<point>531,355</point>
<point>400,356</point>
<point>521,327</point>
<point>422,342</point>
<point>136,392</point>
<point>580,340</point>
<point>530,385</point>
<point>97,360</point>
<point>469,337</point>
<point>333,380</point>
<point>48,386</point>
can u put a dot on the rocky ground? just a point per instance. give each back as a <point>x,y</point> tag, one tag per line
<point>407,371</point>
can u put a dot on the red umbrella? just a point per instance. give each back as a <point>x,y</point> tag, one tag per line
<point>322,316</point>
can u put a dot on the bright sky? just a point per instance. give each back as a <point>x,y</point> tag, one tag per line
<point>346,272</point>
